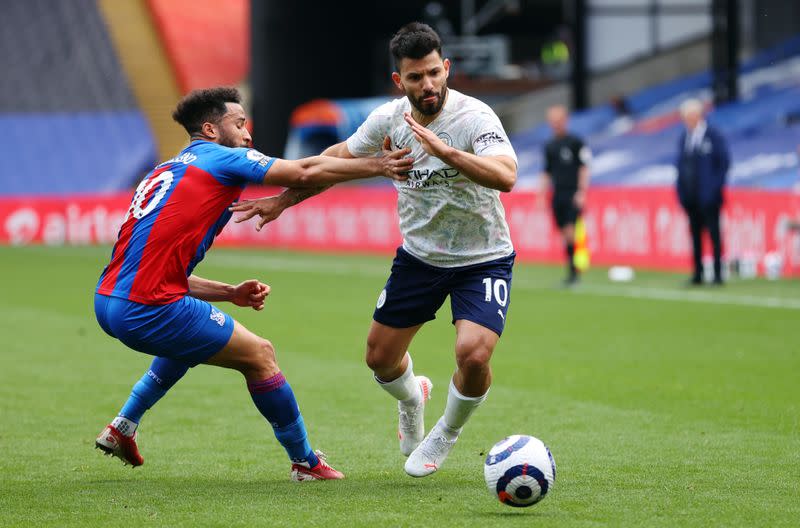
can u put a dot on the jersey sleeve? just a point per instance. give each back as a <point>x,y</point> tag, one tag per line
<point>548,165</point>
<point>489,138</point>
<point>241,166</point>
<point>584,153</point>
<point>368,139</point>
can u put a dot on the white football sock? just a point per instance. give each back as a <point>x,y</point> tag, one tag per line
<point>405,388</point>
<point>124,426</point>
<point>459,408</point>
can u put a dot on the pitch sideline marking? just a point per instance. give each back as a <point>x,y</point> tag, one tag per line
<point>662,294</point>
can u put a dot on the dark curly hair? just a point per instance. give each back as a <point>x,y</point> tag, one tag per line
<point>204,106</point>
<point>414,41</point>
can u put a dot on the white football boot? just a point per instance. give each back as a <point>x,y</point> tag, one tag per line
<point>428,457</point>
<point>411,428</point>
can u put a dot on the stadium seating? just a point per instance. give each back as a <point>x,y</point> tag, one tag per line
<point>72,124</point>
<point>216,50</point>
<point>638,149</point>
<point>762,129</point>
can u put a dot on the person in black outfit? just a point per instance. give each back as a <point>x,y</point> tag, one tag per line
<point>566,168</point>
<point>703,162</point>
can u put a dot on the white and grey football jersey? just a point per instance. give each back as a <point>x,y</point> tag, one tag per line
<point>446,219</point>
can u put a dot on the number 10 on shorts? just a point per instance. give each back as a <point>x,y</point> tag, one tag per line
<point>500,289</point>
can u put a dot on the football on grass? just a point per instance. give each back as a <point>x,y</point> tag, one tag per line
<point>519,470</point>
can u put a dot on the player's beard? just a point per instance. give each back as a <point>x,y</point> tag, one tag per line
<point>433,108</point>
<point>229,140</point>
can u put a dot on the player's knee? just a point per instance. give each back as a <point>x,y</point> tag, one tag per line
<point>473,355</point>
<point>378,357</point>
<point>375,360</point>
<point>266,351</point>
<point>476,361</point>
<point>263,357</point>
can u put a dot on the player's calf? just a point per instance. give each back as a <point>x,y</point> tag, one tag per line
<point>474,347</point>
<point>272,395</point>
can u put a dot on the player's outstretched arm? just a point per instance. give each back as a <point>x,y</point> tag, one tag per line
<point>327,170</point>
<point>494,172</point>
<point>270,208</point>
<point>338,150</point>
<point>250,293</point>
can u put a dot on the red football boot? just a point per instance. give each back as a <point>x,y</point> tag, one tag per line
<point>322,471</point>
<point>114,443</point>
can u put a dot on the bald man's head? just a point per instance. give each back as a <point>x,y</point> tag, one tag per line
<point>691,113</point>
<point>557,118</point>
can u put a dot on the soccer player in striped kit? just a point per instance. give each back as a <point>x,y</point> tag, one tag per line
<point>149,298</point>
<point>456,241</point>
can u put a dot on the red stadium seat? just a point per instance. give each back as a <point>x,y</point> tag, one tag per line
<point>207,41</point>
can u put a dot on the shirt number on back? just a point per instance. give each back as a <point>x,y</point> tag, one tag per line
<point>164,180</point>
<point>500,290</point>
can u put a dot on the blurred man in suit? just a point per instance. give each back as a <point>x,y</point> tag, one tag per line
<point>703,161</point>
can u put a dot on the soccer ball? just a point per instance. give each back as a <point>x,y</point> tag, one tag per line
<point>519,470</point>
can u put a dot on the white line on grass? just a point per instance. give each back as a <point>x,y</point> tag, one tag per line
<point>326,264</point>
<point>662,294</point>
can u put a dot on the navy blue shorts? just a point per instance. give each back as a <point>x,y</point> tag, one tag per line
<point>415,290</point>
<point>188,330</point>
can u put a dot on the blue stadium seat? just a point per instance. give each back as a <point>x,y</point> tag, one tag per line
<point>763,129</point>
<point>73,124</point>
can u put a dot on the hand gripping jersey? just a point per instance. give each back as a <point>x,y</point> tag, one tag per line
<point>176,212</point>
<point>446,219</point>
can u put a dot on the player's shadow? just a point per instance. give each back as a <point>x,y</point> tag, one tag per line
<point>390,495</point>
<point>511,513</point>
<point>356,485</point>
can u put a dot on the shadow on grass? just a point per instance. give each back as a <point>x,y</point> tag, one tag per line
<point>374,498</point>
<point>275,487</point>
<point>511,513</point>
<point>371,498</point>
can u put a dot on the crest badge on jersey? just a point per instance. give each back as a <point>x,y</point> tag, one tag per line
<point>258,157</point>
<point>446,139</point>
<point>381,300</point>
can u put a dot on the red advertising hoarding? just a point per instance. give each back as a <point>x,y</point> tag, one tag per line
<point>636,227</point>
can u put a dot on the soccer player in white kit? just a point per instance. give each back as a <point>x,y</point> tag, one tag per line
<point>456,240</point>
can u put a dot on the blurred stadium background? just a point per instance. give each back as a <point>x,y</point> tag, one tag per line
<point>89,85</point>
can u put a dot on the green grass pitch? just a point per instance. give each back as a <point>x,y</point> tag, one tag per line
<point>662,406</point>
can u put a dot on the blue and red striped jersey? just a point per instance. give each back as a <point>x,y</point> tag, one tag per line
<point>176,212</point>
